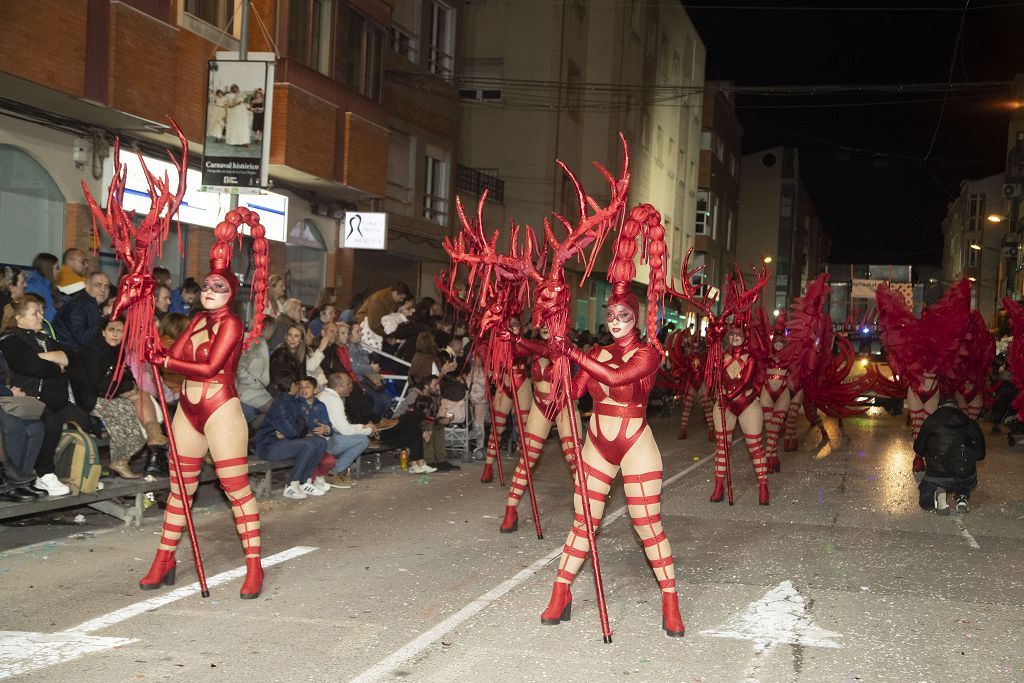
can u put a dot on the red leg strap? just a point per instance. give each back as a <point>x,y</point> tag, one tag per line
<point>247,535</point>
<point>594,495</point>
<point>247,519</point>
<point>597,474</point>
<point>751,436</point>
<point>645,521</point>
<point>239,502</point>
<point>174,510</point>
<point>643,500</point>
<point>641,478</point>
<point>234,483</point>
<point>667,583</point>
<point>230,462</point>
<point>176,528</point>
<point>575,552</point>
<point>653,540</point>
<point>661,562</point>
<point>568,576</point>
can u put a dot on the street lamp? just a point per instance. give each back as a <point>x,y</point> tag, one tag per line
<point>995,218</point>
<point>767,259</point>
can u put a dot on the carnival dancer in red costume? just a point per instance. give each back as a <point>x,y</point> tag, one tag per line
<point>538,425</point>
<point>619,378</point>
<point>733,377</point>
<point>209,416</point>
<point>689,377</point>
<point>517,379</point>
<point>967,378</point>
<point>775,393</point>
<point>920,349</point>
<point>807,343</point>
<point>1015,354</point>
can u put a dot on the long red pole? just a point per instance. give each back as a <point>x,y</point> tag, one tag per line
<point>525,463</point>
<point>588,521</point>
<point>186,503</point>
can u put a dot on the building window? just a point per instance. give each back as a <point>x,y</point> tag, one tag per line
<point>435,186</point>
<point>677,64</point>
<point>405,39</point>
<point>400,174</point>
<point>309,33</point>
<point>307,260</point>
<point>573,80</point>
<point>481,80</point>
<point>442,39</point>
<point>365,48</point>
<point>975,212</point>
<point>214,12</point>
<point>972,257</point>
<point>705,139</point>
<point>703,224</point>
<point>28,196</point>
<point>728,231</point>
<point>659,142</point>
<point>645,130</point>
<point>714,218</point>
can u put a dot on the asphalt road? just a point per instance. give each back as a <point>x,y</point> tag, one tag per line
<point>841,578</point>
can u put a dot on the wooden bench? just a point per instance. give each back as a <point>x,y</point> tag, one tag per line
<point>136,489</point>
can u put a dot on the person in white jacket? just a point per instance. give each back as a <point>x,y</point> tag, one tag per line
<point>349,440</point>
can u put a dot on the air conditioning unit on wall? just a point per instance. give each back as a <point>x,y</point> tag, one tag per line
<point>1011,190</point>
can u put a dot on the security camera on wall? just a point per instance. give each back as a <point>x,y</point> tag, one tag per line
<point>80,152</point>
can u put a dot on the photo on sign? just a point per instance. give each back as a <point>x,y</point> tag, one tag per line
<point>237,123</point>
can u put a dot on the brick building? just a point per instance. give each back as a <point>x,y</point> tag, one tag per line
<point>75,73</point>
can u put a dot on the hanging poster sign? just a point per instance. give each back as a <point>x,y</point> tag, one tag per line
<point>236,145</point>
<point>364,230</point>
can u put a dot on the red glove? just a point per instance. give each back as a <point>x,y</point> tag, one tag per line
<point>155,352</point>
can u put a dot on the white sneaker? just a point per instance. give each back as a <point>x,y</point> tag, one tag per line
<point>941,505</point>
<point>427,469</point>
<point>310,489</point>
<point>52,485</point>
<point>415,469</point>
<point>294,492</point>
<point>322,484</point>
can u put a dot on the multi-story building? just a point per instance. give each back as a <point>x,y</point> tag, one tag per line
<point>974,233</point>
<point>778,225</point>
<point>718,193</point>
<point>363,118</point>
<point>560,82</point>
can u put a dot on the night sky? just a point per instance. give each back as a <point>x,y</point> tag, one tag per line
<point>863,154</point>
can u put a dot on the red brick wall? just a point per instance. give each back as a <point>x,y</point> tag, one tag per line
<point>142,64</point>
<point>44,41</point>
<point>366,155</point>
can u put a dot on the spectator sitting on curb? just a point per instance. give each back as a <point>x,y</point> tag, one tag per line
<point>951,444</point>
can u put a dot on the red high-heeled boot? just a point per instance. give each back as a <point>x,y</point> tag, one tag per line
<point>719,493</point>
<point>762,492</point>
<point>918,463</point>
<point>253,584</point>
<point>774,464</point>
<point>670,619</point>
<point>161,572</point>
<point>511,521</point>
<point>560,607</point>
<point>488,474</point>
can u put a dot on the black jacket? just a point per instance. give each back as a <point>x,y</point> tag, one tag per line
<point>33,375</point>
<point>951,443</point>
<point>78,321</point>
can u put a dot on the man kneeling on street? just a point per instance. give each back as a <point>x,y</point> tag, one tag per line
<point>951,443</point>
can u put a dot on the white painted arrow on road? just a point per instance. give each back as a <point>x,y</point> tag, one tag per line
<point>778,618</point>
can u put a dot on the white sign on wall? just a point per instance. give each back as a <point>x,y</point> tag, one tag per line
<point>364,230</point>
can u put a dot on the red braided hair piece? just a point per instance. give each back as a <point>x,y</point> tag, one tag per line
<point>643,220</point>
<point>226,232</point>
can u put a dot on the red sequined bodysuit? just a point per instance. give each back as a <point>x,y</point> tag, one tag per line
<point>625,378</point>
<point>739,391</point>
<point>213,363</point>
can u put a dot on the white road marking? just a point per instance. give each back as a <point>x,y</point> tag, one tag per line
<point>125,613</point>
<point>411,649</point>
<point>779,617</point>
<point>22,651</point>
<point>965,534</point>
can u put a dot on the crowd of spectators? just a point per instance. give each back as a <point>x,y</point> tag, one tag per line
<point>318,388</point>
